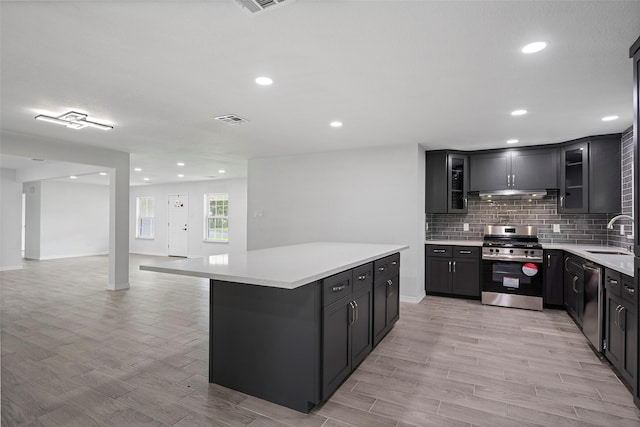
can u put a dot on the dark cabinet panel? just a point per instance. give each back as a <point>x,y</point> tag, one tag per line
<point>490,171</point>
<point>629,365</point>
<point>362,338</point>
<point>534,169</point>
<point>453,270</point>
<point>386,296</point>
<point>393,299</point>
<point>590,176</point>
<point>336,354</point>
<point>574,287</point>
<point>553,278</point>
<point>614,335</point>
<point>447,182</point>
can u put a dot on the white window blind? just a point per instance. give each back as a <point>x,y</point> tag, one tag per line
<point>217,217</point>
<point>145,215</point>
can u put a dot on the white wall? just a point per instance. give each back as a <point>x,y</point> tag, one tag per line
<point>72,219</point>
<point>373,195</point>
<point>237,190</point>
<point>10,220</point>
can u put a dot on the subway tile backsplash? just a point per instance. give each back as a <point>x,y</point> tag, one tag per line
<point>589,229</point>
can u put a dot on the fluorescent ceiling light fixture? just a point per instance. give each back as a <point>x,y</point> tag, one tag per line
<point>180,164</point>
<point>609,118</point>
<point>73,177</point>
<point>103,173</point>
<point>335,124</point>
<point>534,47</point>
<point>518,112</point>
<point>264,81</point>
<point>222,171</point>
<point>137,169</point>
<point>512,141</point>
<point>73,120</point>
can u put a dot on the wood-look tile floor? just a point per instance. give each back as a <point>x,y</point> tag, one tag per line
<point>75,354</point>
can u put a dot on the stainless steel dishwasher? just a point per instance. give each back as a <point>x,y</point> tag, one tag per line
<point>593,304</point>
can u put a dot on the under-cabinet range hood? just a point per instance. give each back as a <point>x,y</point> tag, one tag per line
<point>512,194</point>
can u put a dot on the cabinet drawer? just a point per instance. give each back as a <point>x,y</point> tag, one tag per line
<point>628,289</point>
<point>439,251</point>
<point>387,266</point>
<point>336,287</point>
<point>466,252</point>
<point>362,277</point>
<point>612,282</point>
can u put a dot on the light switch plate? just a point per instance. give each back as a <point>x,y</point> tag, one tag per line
<point>556,228</point>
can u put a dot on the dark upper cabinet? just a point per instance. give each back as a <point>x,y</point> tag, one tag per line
<point>553,278</point>
<point>590,175</point>
<point>530,169</point>
<point>634,53</point>
<point>447,182</point>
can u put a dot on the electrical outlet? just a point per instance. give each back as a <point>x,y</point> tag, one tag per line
<point>465,227</point>
<point>556,228</point>
<point>622,229</point>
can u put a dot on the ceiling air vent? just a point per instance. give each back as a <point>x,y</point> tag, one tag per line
<point>232,119</point>
<point>258,6</point>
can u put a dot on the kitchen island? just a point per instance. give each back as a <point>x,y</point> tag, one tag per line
<point>289,324</point>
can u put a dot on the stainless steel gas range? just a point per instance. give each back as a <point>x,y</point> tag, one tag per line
<point>512,267</point>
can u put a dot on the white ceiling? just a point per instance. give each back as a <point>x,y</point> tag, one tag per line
<point>444,74</point>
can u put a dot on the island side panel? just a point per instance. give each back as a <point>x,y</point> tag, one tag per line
<point>265,341</point>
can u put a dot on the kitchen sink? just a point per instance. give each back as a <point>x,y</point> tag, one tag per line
<point>609,253</point>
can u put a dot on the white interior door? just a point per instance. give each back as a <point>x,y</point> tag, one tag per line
<point>178,224</point>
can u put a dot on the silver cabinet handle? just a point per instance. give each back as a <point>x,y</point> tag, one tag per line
<point>353,313</point>
<point>513,180</point>
<point>454,266</point>
<point>615,319</point>
<point>575,279</point>
<point>629,290</point>
<point>439,251</point>
<point>508,180</point>
<point>613,282</point>
<point>394,263</point>
<point>623,324</point>
<point>464,252</point>
<point>382,268</point>
<point>549,261</point>
<point>389,282</point>
<point>363,276</point>
<point>566,260</point>
<point>449,266</point>
<point>466,202</point>
<point>561,201</point>
<point>357,312</point>
<point>339,288</point>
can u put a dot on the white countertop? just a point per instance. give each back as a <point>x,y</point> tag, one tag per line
<point>621,263</point>
<point>286,267</point>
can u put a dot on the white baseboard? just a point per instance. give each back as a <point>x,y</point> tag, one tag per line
<point>45,258</point>
<point>149,253</point>
<point>413,300</point>
<point>11,267</point>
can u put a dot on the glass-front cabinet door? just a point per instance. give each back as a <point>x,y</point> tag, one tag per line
<point>457,183</point>
<point>574,179</point>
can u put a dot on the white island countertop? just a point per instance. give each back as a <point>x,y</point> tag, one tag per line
<point>286,267</point>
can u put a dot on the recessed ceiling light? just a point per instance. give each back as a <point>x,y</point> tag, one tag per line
<point>103,173</point>
<point>137,169</point>
<point>222,171</point>
<point>518,112</point>
<point>180,164</point>
<point>264,81</point>
<point>534,47</point>
<point>73,177</point>
<point>180,175</point>
<point>145,178</point>
<point>609,118</point>
<point>335,124</point>
<point>512,141</point>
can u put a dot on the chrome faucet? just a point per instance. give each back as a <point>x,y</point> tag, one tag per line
<point>617,217</point>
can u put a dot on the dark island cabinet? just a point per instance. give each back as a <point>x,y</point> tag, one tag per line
<point>530,169</point>
<point>346,324</point>
<point>621,317</point>
<point>453,270</point>
<point>447,182</point>
<point>590,175</point>
<point>553,294</point>
<point>386,296</point>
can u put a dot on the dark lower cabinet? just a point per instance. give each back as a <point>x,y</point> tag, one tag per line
<point>386,296</point>
<point>553,294</point>
<point>574,287</point>
<point>453,270</point>
<point>346,325</point>
<point>621,324</point>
